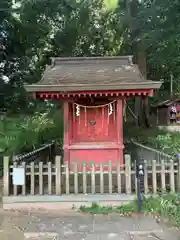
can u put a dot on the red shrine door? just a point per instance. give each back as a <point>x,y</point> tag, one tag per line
<point>95,135</point>
<point>94,124</point>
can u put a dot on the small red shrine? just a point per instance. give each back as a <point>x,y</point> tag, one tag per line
<point>93,91</point>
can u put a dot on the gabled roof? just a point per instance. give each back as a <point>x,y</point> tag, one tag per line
<point>92,74</point>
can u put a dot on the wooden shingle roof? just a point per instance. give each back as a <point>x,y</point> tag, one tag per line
<point>92,74</point>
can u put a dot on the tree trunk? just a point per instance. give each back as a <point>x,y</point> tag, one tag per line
<point>141,107</point>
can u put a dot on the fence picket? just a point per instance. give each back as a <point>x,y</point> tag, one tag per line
<point>154,177</point>
<point>84,179</point>
<point>49,178</point>
<point>128,173</point>
<point>135,179</point>
<point>6,174</point>
<point>67,177</point>
<point>110,176</point>
<point>146,189</point>
<point>15,187</point>
<point>32,188</point>
<point>163,179</point>
<point>118,173</point>
<point>93,186</point>
<point>24,186</point>
<point>41,178</point>
<point>76,178</point>
<point>178,176</point>
<point>172,185</point>
<point>101,178</point>
<point>58,175</point>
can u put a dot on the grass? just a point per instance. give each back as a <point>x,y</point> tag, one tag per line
<point>95,208</point>
<point>167,206</point>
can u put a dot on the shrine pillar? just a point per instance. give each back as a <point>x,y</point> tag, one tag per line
<point>119,114</point>
<point>66,131</point>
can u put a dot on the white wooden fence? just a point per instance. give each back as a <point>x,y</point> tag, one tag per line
<point>57,179</point>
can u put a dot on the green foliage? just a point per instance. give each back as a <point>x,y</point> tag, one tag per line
<point>166,206</point>
<point>165,141</point>
<point>26,134</point>
<point>168,142</point>
<point>95,208</point>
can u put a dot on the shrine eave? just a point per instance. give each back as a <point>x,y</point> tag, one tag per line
<point>92,87</point>
<point>124,93</point>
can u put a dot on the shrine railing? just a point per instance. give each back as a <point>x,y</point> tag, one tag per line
<point>45,153</point>
<point>138,151</point>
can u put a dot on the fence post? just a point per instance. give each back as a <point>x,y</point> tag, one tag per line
<point>172,185</point>
<point>6,176</point>
<point>58,174</point>
<point>140,180</point>
<point>178,176</point>
<point>154,177</point>
<point>127,158</point>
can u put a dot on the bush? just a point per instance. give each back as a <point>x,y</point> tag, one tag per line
<point>32,131</point>
<point>168,142</point>
<point>166,206</point>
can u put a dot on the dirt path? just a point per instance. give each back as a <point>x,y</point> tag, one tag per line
<point>75,226</point>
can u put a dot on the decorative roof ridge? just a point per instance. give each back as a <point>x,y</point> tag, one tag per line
<point>55,60</point>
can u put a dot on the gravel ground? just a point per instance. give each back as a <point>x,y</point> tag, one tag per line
<point>41,225</point>
<point>75,226</point>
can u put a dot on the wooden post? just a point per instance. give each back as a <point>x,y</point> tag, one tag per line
<point>41,183</point>
<point>110,176</point>
<point>67,177</point>
<point>24,186</point>
<point>119,117</point>
<point>128,173</point>
<point>118,177</point>
<point>146,189</point>
<point>66,131</point>
<point>32,179</point>
<point>93,183</point>
<point>84,179</point>
<point>101,178</point>
<point>76,177</point>
<point>154,177</point>
<point>178,177</point>
<point>15,187</point>
<point>172,185</point>
<point>49,178</point>
<point>58,175</point>
<point>163,179</point>
<point>6,176</point>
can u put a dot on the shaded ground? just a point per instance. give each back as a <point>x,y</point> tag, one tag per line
<point>74,226</point>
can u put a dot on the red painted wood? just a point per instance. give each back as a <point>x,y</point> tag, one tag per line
<point>102,131</point>
<point>102,142</point>
<point>62,95</point>
<point>96,145</point>
<point>67,130</point>
<point>96,156</point>
<point>119,123</point>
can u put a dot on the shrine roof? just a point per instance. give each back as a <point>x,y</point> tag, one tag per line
<point>92,74</point>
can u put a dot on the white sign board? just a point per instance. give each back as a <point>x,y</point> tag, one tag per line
<point>18,176</point>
